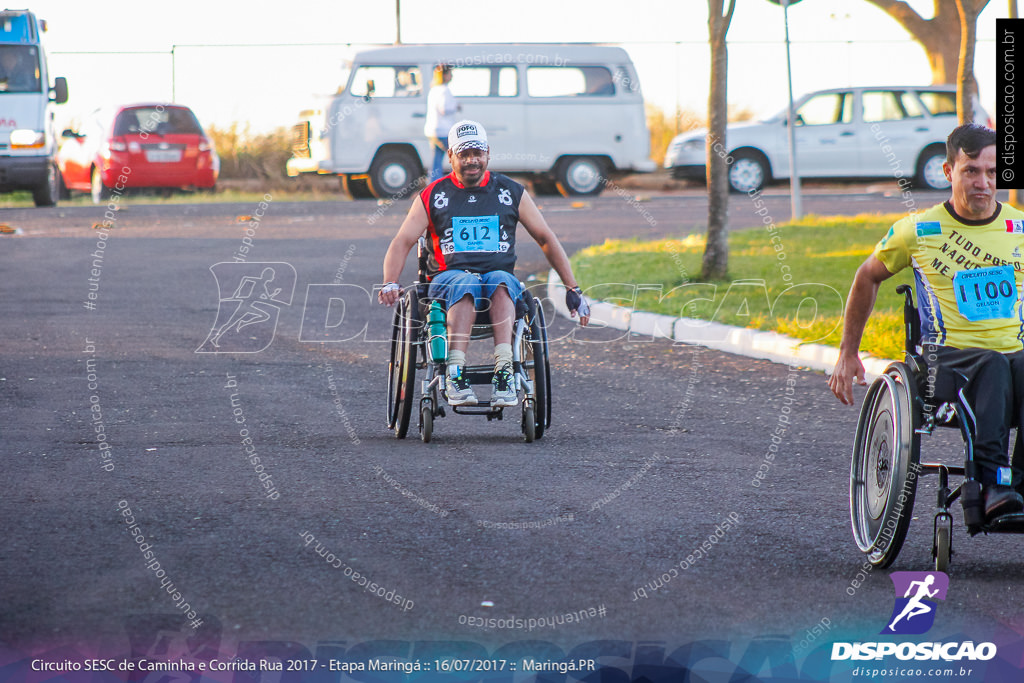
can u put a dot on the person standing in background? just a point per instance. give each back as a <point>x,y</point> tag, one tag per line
<point>441,109</point>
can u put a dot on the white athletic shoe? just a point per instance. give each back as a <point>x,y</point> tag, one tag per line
<point>503,387</point>
<point>458,391</point>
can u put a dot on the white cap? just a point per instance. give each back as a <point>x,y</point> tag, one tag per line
<point>467,134</point>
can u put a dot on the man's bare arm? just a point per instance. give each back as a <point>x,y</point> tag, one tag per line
<point>859,305</point>
<point>532,219</point>
<point>398,251</point>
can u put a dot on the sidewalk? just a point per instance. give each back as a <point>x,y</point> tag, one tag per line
<point>771,346</point>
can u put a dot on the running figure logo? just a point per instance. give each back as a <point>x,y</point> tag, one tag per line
<point>914,612</point>
<point>251,296</point>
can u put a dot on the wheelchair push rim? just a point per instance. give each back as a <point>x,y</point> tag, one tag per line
<point>402,363</point>
<point>537,404</point>
<point>882,484</point>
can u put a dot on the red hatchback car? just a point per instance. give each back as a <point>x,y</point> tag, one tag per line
<point>138,146</point>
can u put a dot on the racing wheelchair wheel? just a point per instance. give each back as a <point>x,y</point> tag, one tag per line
<point>535,364</point>
<point>405,333</point>
<point>883,474</point>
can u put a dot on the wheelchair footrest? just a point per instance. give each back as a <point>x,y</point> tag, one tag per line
<point>476,376</point>
<point>973,503</point>
<point>482,408</point>
<point>1005,524</point>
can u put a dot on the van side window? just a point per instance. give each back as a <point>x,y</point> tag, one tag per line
<point>569,81</point>
<point>508,82</point>
<point>388,81</point>
<point>626,82</point>
<point>407,82</point>
<point>484,81</point>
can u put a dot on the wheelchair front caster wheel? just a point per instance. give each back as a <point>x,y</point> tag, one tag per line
<point>943,544</point>
<point>529,424</point>
<point>426,422</point>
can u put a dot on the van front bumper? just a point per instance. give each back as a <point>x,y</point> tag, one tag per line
<point>296,166</point>
<point>22,173</point>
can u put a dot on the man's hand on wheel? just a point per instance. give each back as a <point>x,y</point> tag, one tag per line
<point>389,293</point>
<point>577,304</point>
<point>848,370</point>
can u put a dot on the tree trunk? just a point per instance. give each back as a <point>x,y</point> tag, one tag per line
<point>966,85</point>
<point>939,36</point>
<point>715,264</point>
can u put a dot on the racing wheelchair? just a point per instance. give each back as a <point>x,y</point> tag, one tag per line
<point>411,341</point>
<point>886,466</point>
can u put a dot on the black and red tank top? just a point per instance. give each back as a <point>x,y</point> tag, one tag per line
<point>472,228</point>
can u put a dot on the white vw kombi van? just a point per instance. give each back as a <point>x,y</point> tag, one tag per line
<point>570,116</point>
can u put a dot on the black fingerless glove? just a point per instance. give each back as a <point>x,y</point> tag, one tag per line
<point>575,302</point>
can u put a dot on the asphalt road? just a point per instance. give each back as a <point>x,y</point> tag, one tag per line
<point>651,457</point>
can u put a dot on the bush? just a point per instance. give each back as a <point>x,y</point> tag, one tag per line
<point>245,155</point>
<point>663,126</point>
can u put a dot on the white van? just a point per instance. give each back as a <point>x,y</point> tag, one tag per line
<point>567,115</point>
<point>28,141</point>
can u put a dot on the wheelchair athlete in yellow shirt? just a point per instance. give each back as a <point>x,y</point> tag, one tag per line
<point>968,259</point>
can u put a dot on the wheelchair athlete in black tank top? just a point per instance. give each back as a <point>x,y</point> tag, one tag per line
<point>470,217</point>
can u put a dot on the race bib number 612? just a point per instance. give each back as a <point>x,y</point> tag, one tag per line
<point>475,233</point>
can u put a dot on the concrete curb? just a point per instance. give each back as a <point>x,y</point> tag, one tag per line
<point>771,346</point>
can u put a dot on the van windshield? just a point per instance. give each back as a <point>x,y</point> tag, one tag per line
<point>346,71</point>
<point>19,69</point>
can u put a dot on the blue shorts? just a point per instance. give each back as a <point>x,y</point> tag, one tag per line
<point>453,285</point>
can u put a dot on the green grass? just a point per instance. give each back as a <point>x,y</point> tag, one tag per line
<point>822,254</point>
<point>23,200</point>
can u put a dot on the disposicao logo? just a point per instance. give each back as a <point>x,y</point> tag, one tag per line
<point>250,298</point>
<point>917,594</point>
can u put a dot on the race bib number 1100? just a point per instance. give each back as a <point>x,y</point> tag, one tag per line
<point>985,293</point>
<point>475,233</point>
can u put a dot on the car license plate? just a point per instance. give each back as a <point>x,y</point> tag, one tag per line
<point>163,155</point>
